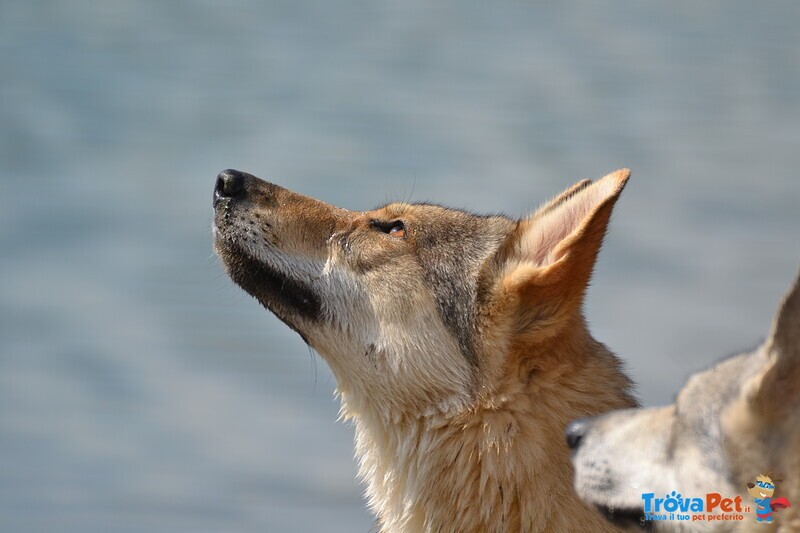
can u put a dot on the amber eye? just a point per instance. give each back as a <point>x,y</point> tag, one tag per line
<point>394,229</point>
<point>398,230</point>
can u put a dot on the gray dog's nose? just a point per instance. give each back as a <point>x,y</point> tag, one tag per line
<point>575,432</point>
<point>230,183</point>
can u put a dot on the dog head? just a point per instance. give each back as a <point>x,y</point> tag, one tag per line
<point>764,487</point>
<point>410,303</point>
<point>729,422</point>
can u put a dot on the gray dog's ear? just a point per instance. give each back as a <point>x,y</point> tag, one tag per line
<point>779,390</point>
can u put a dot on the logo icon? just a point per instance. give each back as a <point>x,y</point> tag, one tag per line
<point>762,491</point>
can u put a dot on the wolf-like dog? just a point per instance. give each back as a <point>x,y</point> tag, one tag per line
<point>733,424</point>
<point>457,341</point>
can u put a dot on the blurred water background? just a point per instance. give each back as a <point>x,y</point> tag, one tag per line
<point>141,391</point>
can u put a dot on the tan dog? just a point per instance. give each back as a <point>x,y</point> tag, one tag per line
<point>728,425</point>
<point>457,341</point>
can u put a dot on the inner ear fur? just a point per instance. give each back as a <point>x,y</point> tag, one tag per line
<point>548,266</point>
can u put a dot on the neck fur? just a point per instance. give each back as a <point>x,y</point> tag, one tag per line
<point>498,464</point>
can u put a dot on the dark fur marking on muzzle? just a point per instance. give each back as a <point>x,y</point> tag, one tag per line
<point>285,297</point>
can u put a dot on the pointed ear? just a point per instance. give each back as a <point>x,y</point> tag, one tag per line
<point>551,261</point>
<point>558,200</point>
<point>779,390</point>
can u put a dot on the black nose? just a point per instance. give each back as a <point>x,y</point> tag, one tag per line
<point>575,432</point>
<point>230,183</point>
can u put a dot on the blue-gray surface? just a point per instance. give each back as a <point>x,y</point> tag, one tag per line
<point>141,391</point>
